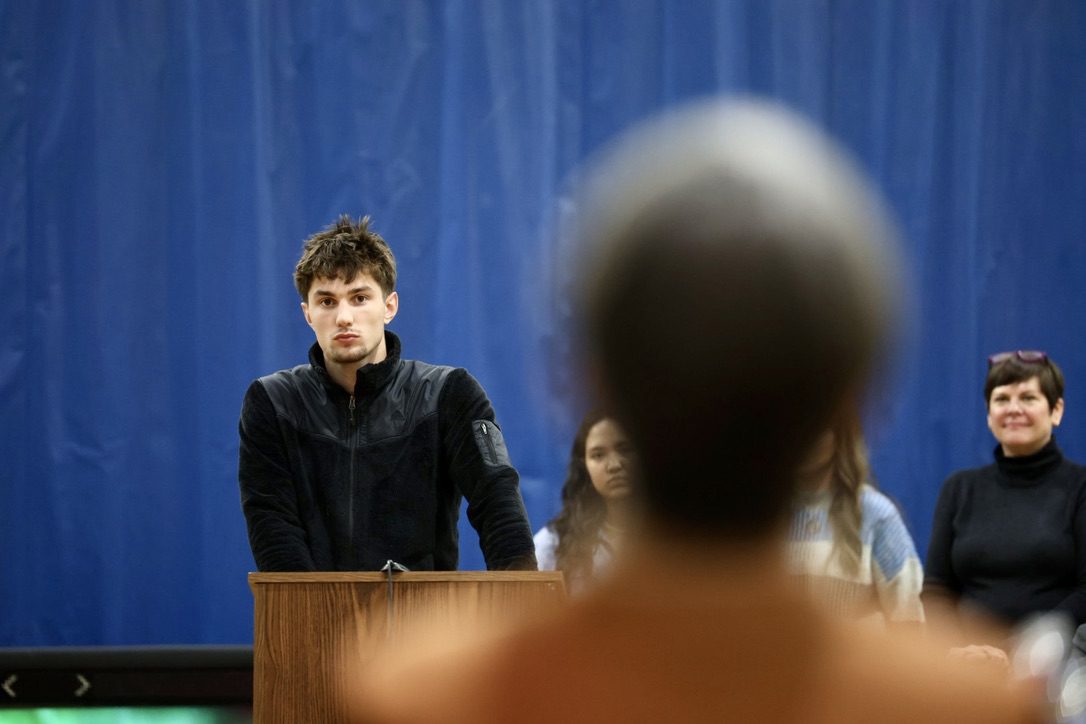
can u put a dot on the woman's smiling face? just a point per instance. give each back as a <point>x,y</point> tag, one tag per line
<point>1020,417</point>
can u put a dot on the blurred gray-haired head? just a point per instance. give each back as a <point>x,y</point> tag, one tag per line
<point>737,287</point>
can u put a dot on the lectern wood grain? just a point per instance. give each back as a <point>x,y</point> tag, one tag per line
<point>306,623</point>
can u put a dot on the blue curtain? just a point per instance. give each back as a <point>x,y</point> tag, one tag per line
<point>160,164</point>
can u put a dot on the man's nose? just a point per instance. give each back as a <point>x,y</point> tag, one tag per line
<point>343,316</point>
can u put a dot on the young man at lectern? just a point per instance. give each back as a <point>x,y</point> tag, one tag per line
<point>360,456</point>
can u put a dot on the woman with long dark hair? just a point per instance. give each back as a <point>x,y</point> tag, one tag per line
<point>580,541</point>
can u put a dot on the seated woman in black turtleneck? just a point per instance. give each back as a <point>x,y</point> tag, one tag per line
<point>1009,539</point>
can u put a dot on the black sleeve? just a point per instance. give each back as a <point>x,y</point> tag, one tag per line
<point>1075,603</point>
<point>479,465</point>
<point>941,586</point>
<point>268,498</point>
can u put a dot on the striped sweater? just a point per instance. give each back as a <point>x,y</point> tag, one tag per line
<point>887,584</point>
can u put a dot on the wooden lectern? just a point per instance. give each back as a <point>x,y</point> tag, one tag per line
<point>305,624</point>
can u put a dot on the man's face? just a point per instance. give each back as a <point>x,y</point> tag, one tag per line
<point>349,319</point>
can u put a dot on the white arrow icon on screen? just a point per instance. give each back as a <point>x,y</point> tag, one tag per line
<point>7,685</point>
<point>84,685</point>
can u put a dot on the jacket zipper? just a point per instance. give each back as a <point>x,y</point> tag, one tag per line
<point>350,482</point>
<point>489,443</point>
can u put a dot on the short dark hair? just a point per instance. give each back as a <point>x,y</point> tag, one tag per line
<point>778,296</point>
<point>344,250</point>
<point>1013,370</point>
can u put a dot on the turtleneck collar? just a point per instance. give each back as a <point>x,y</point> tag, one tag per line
<point>1027,469</point>
<point>370,377</point>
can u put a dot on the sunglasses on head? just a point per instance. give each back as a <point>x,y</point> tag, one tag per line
<point>1033,356</point>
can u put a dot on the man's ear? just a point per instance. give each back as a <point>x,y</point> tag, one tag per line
<point>392,305</point>
<point>305,311</point>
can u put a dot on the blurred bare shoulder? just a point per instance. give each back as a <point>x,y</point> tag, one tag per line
<point>604,662</point>
<point>905,677</point>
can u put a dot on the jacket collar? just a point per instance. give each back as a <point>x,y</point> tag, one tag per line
<point>370,377</point>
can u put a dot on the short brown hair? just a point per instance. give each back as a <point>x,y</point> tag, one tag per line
<point>344,250</point>
<point>1013,370</point>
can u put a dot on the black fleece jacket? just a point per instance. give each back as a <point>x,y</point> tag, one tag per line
<point>335,482</point>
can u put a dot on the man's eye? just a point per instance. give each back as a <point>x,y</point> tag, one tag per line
<point>360,298</point>
<point>326,302</point>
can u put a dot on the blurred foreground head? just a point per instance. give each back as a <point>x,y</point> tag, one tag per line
<point>739,287</point>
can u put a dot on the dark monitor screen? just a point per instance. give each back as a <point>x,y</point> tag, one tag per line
<point>163,684</point>
<point>128,715</point>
